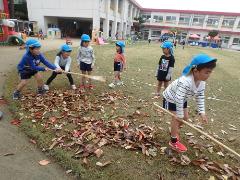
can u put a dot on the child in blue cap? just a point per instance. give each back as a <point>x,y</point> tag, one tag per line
<point>86,60</point>
<point>190,84</point>
<point>63,62</point>
<point>119,64</point>
<point>165,66</point>
<point>29,66</point>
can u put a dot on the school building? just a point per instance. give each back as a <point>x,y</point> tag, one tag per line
<point>75,17</point>
<point>189,22</point>
<point>112,17</point>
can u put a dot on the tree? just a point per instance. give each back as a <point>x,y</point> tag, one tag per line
<point>213,34</point>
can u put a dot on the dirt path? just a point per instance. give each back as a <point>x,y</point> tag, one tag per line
<point>23,165</point>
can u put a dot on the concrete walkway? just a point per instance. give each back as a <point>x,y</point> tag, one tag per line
<point>23,164</point>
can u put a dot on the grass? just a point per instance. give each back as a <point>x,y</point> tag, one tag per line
<point>142,60</point>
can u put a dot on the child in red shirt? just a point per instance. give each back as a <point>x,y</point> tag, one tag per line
<point>119,64</point>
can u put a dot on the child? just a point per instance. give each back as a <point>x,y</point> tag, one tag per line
<point>29,66</point>
<point>165,67</point>
<point>192,83</point>
<point>63,62</point>
<point>86,60</point>
<point>119,64</point>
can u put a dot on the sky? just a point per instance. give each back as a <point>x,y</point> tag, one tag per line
<point>202,5</point>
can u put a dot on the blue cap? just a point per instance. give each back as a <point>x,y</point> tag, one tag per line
<point>121,44</point>
<point>85,37</point>
<point>197,60</point>
<point>32,43</point>
<point>66,48</point>
<point>168,45</point>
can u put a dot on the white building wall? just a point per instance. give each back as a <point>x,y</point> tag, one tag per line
<point>97,10</point>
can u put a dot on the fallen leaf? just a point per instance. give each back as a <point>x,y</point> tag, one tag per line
<point>103,164</point>
<point>98,152</point>
<point>211,178</point>
<point>53,145</point>
<point>69,171</point>
<point>16,122</point>
<point>8,154</point>
<point>32,141</point>
<point>220,153</point>
<point>185,160</point>
<point>44,162</point>
<point>231,139</point>
<point>85,161</point>
<point>102,142</point>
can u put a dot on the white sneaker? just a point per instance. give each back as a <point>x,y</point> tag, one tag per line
<point>120,83</point>
<point>112,85</point>
<point>74,87</point>
<point>46,87</point>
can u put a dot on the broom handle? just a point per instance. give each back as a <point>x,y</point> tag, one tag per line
<point>200,131</point>
<point>79,74</point>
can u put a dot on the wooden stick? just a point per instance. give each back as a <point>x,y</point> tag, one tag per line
<point>200,131</point>
<point>97,78</point>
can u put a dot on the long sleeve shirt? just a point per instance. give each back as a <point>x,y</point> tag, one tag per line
<point>182,89</point>
<point>30,62</point>
<point>86,55</point>
<point>61,62</point>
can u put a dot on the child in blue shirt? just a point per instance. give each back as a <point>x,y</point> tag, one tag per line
<point>29,66</point>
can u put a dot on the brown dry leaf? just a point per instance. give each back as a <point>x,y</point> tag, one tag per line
<point>102,142</point>
<point>44,162</point>
<point>231,139</point>
<point>103,164</point>
<point>220,153</point>
<point>32,141</point>
<point>211,178</point>
<point>53,145</point>
<point>52,120</point>
<point>203,167</point>
<point>98,152</point>
<point>85,161</point>
<point>185,160</point>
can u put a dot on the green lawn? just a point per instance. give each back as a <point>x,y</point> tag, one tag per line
<point>136,95</point>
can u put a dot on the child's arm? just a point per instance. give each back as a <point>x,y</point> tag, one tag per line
<point>79,55</point>
<point>200,99</point>
<point>47,63</point>
<point>56,62</point>
<point>124,62</point>
<point>67,67</point>
<point>93,58</point>
<point>170,70</point>
<point>34,67</point>
<point>181,92</point>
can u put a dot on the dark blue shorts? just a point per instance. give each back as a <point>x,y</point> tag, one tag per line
<point>118,66</point>
<point>27,74</point>
<point>171,106</point>
<point>85,66</point>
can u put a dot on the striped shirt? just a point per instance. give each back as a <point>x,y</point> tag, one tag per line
<point>183,88</point>
<point>86,55</point>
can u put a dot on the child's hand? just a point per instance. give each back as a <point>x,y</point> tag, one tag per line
<point>59,70</point>
<point>47,69</point>
<point>204,118</point>
<point>92,66</point>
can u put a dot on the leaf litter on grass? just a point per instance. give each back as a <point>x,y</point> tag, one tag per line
<point>81,124</point>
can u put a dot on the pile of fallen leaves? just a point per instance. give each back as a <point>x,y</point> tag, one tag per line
<point>72,118</point>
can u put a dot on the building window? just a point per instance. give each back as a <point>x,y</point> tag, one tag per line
<point>184,19</point>
<point>228,22</point>
<point>146,17</point>
<point>156,33</point>
<point>198,20</point>
<point>238,25</point>
<point>213,21</point>
<point>236,41</point>
<point>226,39</point>
<point>158,19</point>
<point>112,4</point>
<point>171,19</point>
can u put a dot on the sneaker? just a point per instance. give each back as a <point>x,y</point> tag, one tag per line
<point>120,83</point>
<point>46,87</point>
<point>112,85</point>
<point>179,147</point>
<point>74,87</point>
<point>16,95</point>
